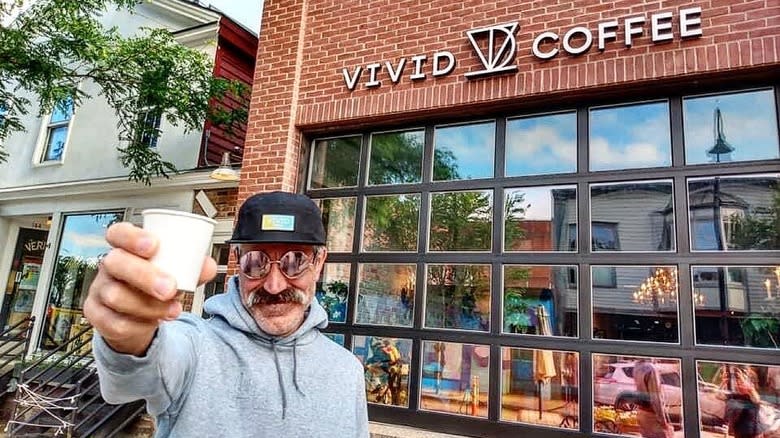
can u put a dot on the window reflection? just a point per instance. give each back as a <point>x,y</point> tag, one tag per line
<point>541,145</point>
<point>641,307</point>
<point>620,222</point>
<point>738,399</point>
<point>391,223</point>
<point>734,213</point>
<point>637,396</point>
<point>333,290</point>
<point>338,217</point>
<point>464,151</point>
<point>630,137</point>
<point>461,221</point>
<point>737,305</point>
<point>455,378</point>
<point>730,127</point>
<point>386,364</point>
<point>458,297</point>
<point>540,218</point>
<point>540,300</point>
<point>334,162</point>
<point>386,294</point>
<point>336,337</point>
<point>396,157</point>
<point>540,387</point>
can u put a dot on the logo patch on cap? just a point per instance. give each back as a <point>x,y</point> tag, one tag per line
<point>278,222</point>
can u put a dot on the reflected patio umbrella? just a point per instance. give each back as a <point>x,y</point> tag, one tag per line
<point>544,365</point>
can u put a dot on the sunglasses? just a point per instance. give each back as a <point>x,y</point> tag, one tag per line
<point>257,264</point>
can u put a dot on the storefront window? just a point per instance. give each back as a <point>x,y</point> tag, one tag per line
<point>641,307</point>
<point>458,297</point>
<point>386,364</point>
<point>540,300</point>
<point>540,387</point>
<point>396,157</point>
<point>334,161</point>
<point>391,223</point>
<point>463,151</point>
<point>336,337</point>
<point>630,137</point>
<point>82,244</point>
<point>537,218</point>
<point>730,127</point>
<point>541,145</point>
<point>333,290</point>
<point>620,222</point>
<point>455,378</point>
<point>637,396</point>
<point>734,213</point>
<point>338,217</point>
<point>461,221</point>
<point>386,294</point>
<point>737,305</point>
<point>738,399</point>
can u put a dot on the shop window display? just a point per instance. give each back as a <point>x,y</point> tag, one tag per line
<point>455,378</point>
<point>396,157</point>
<point>386,294</point>
<point>386,364</point>
<point>538,218</point>
<point>333,290</point>
<point>540,387</point>
<point>458,297</point>
<point>540,300</point>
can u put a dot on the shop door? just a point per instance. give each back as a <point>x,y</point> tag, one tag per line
<point>23,276</point>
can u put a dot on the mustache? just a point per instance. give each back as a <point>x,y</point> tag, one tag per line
<point>261,296</point>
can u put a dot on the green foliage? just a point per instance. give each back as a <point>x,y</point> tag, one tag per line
<point>758,230</point>
<point>56,45</point>
<point>759,330</point>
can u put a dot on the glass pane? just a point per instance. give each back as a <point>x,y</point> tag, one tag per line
<point>386,294</point>
<point>637,396</point>
<point>738,399</point>
<point>338,217</point>
<point>334,162</point>
<point>458,297</point>
<point>386,363</point>
<point>213,287</point>
<point>455,378</point>
<point>396,157</point>
<point>737,305</point>
<point>539,219</point>
<point>540,300</point>
<point>735,213</point>
<point>221,253</point>
<point>336,337</point>
<point>541,145</point>
<point>392,222</point>
<point>62,112</point>
<point>150,128</point>
<point>23,278</point>
<point>540,387</point>
<point>730,127</point>
<point>630,137</point>
<point>81,246</point>
<point>621,222</point>
<point>642,306</point>
<point>55,143</point>
<point>461,221</point>
<point>463,152</point>
<point>333,290</point>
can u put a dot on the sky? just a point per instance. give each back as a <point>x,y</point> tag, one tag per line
<point>246,12</point>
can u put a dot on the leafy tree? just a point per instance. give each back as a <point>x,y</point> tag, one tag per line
<point>55,45</point>
<point>759,230</point>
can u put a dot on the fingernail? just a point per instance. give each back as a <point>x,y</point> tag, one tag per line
<point>163,286</point>
<point>174,310</point>
<point>145,245</point>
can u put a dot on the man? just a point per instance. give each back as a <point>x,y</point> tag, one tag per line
<point>260,367</point>
<point>651,408</point>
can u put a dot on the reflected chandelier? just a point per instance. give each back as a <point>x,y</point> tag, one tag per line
<point>658,289</point>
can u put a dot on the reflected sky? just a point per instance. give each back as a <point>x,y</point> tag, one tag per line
<point>541,145</point>
<point>472,146</point>
<point>630,137</point>
<point>84,235</point>
<point>749,123</point>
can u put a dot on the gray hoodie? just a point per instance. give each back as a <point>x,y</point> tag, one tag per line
<point>224,377</point>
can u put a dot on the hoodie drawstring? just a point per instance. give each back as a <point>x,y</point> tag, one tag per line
<point>295,367</point>
<point>279,374</point>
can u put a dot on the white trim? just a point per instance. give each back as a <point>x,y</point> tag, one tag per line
<point>184,9</point>
<point>43,136</point>
<point>6,258</point>
<point>41,296</point>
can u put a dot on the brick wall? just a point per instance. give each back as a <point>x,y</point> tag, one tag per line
<point>304,44</point>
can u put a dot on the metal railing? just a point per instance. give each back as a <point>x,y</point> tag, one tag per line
<point>14,342</point>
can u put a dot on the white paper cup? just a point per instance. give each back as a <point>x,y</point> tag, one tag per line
<point>185,239</point>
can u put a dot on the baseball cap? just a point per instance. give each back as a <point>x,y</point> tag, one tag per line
<point>279,217</point>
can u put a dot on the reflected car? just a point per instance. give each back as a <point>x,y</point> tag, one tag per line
<point>617,386</point>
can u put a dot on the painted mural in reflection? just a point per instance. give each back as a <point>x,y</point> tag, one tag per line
<point>455,378</point>
<point>333,290</point>
<point>386,294</point>
<point>637,396</point>
<point>540,387</point>
<point>738,400</point>
<point>386,368</point>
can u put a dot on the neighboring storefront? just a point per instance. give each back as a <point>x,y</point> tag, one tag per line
<point>541,217</point>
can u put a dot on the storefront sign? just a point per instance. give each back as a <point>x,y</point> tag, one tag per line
<point>496,47</point>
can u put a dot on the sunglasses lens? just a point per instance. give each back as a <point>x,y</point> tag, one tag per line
<point>255,264</point>
<point>293,263</point>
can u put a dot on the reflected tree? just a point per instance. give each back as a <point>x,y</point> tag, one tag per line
<point>757,229</point>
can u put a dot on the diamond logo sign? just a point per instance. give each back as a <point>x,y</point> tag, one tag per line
<point>496,47</point>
